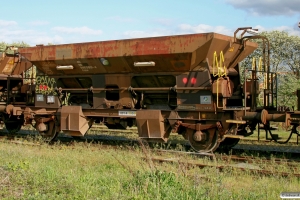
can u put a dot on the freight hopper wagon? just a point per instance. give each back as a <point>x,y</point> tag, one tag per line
<point>13,91</point>
<point>185,84</point>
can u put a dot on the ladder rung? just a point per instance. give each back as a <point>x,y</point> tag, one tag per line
<point>235,121</point>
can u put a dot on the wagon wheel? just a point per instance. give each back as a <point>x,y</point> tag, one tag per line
<point>13,125</point>
<point>202,141</point>
<point>51,133</point>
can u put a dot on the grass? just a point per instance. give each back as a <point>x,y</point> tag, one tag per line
<point>86,171</point>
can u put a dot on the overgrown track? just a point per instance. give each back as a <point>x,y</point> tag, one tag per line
<point>236,158</point>
<point>247,168</point>
<point>114,140</point>
<point>253,149</point>
<point>264,141</point>
<point>267,149</point>
<point>251,159</point>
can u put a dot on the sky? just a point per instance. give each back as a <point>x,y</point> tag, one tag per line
<point>73,21</point>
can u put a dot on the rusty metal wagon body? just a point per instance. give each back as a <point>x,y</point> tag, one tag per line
<point>185,84</point>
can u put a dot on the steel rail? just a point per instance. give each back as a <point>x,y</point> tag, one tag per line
<point>223,167</point>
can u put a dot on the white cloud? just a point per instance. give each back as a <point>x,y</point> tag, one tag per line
<point>141,34</point>
<point>38,23</point>
<point>8,23</point>
<point>61,35</point>
<point>203,28</point>
<point>290,30</point>
<point>180,29</point>
<point>77,30</point>
<point>56,39</point>
<point>267,7</point>
<point>30,37</point>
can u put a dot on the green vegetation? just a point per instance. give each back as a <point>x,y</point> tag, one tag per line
<point>3,45</point>
<point>85,171</point>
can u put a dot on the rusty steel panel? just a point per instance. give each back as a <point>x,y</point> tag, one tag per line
<point>150,124</point>
<point>73,121</point>
<point>12,65</point>
<point>179,53</point>
<point>7,65</point>
<point>222,88</point>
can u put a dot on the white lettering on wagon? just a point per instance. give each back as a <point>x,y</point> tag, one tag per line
<point>127,113</point>
<point>85,67</point>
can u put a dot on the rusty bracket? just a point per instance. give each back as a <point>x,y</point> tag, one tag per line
<point>198,126</point>
<point>176,126</point>
<point>44,119</point>
<point>220,129</point>
<point>9,109</point>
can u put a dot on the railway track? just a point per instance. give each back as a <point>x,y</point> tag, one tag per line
<point>184,146</point>
<point>104,139</point>
<point>264,141</point>
<point>133,130</point>
<point>96,129</point>
<point>237,158</point>
<point>248,168</point>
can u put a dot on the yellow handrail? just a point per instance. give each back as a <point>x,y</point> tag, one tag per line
<point>260,64</point>
<point>253,65</point>
<point>215,62</point>
<point>265,82</point>
<point>219,65</point>
<point>218,93</point>
<point>222,63</point>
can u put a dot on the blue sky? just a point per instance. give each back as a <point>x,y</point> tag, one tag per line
<point>72,21</point>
